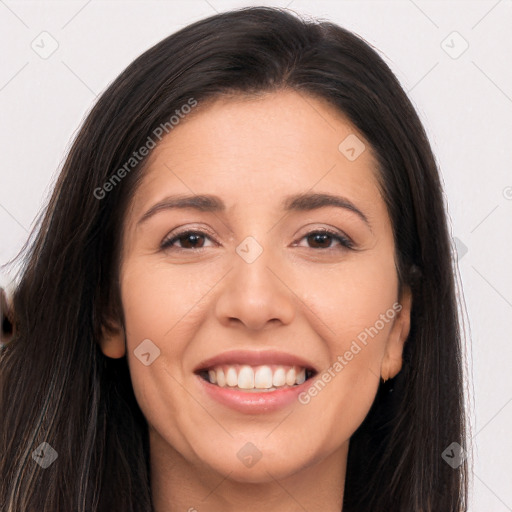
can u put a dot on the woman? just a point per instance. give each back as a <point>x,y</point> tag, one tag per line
<point>182,337</point>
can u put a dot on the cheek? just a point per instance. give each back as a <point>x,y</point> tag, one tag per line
<point>152,310</point>
<point>357,311</point>
<point>162,310</point>
<point>357,296</point>
<point>158,300</point>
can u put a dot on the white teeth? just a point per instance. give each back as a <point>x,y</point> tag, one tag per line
<point>290,377</point>
<point>221,379</point>
<point>231,377</point>
<point>264,377</point>
<point>279,378</point>
<point>245,377</point>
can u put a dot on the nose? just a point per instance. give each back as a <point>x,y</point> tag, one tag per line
<point>256,294</point>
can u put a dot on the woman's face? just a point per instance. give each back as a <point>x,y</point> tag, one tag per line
<point>259,294</point>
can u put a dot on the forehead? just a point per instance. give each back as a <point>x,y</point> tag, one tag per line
<point>254,150</point>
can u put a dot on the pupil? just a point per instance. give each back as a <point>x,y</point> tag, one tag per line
<point>323,236</point>
<point>194,238</point>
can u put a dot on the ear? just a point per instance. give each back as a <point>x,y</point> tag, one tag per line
<point>392,361</point>
<point>112,341</point>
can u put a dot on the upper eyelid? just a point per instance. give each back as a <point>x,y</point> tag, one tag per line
<point>202,229</point>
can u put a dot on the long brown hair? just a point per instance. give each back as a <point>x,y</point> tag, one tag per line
<point>57,387</point>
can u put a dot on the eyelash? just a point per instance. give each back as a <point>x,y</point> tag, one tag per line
<point>345,242</point>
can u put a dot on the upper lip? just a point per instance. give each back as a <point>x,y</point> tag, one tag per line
<point>254,358</point>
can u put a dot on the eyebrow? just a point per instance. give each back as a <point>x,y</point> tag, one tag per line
<point>212,203</point>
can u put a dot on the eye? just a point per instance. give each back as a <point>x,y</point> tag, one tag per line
<point>320,237</point>
<point>192,240</point>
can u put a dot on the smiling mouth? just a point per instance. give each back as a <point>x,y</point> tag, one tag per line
<point>256,379</point>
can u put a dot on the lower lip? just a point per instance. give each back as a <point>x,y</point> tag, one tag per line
<point>253,403</point>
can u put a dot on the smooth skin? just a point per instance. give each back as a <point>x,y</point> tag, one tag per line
<point>303,295</point>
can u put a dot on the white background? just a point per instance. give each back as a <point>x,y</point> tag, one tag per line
<point>464,102</point>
